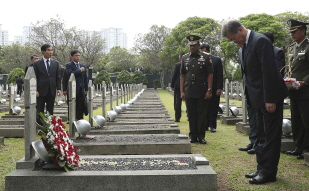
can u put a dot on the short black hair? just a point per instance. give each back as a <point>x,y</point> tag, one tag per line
<point>205,46</point>
<point>33,55</point>
<point>270,36</point>
<point>45,46</point>
<point>74,52</point>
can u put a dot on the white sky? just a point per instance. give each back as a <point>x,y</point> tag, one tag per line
<point>134,16</point>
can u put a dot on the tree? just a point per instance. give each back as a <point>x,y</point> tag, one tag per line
<point>262,23</point>
<point>15,56</point>
<point>124,77</point>
<point>120,59</point>
<point>63,40</point>
<point>149,46</point>
<point>237,76</point>
<point>13,75</point>
<point>139,77</point>
<point>208,29</point>
<point>102,76</point>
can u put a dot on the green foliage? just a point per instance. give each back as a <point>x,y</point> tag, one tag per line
<point>262,23</point>
<point>237,76</point>
<point>156,83</point>
<point>102,76</point>
<point>124,77</point>
<point>120,59</point>
<point>16,56</point>
<point>13,75</point>
<point>139,77</point>
<point>176,42</point>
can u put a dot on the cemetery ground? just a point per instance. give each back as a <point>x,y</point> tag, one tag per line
<point>221,150</point>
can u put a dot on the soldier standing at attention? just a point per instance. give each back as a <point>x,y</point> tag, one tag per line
<point>196,87</point>
<point>299,62</point>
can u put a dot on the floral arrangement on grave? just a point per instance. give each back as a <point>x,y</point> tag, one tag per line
<point>57,142</point>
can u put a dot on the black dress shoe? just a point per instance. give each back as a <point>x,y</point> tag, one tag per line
<point>193,140</point>
<point>262,179</point>
<point>248,147</point>
<point>203,141</point>
<point>177,121</point>
<point>294,153</point>
<point>252,174</point>
<point>300,157</point>
<point>251,151</point>
<point>213,130</point>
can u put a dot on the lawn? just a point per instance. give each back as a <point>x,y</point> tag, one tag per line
<point>221,150</point>
<point>231,165</point>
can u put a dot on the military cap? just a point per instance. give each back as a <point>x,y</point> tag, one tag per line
<point>294,25</point>
<point>193,39</point>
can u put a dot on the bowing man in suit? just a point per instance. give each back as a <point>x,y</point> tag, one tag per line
<point>265,91</point>
<point>79,71</point>
<point>217,85</point>
<point>48,81</point>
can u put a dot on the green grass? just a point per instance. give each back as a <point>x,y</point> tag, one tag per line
<point>221,150</point>
<point>231,165</point>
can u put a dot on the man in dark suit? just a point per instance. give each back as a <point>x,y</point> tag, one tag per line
<point>48,81</point>
<point>176,88</point>
<point>299,63</point>
<point>217,86</point>
<point>279,54</point>
<point>265,90</point>
<point>79,71</point>
<point>19,83</point>
<point>196,87</point>
<point>280,62</point>
<point>33,58</point>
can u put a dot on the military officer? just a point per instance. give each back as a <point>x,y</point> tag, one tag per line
<point>196,87</point>
<point>299,63</point>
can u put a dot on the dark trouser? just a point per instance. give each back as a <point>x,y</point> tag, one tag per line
<point>269,130</point>
<point>177,104</point>
<point>80,99</point>
<point>212,112</point>
<point>300,124</point>
<point>49,99</point>
<point>196,108</point>
<point>252,123</point>
<point>19,90</point>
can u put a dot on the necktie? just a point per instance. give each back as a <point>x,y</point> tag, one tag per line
<point>48,66</point>
<point>243,51</point>
<point>77,65</point>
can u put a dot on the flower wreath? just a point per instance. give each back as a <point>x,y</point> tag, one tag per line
<point>57,142</point>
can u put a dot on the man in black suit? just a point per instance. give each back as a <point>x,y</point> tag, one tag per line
<point>217,86</point>
<point>279,54</point>
<point>265,91</point>
<point>33,58</point>
<point>280,62</point>
<point>48,81</point>
<point>79,71</point>
<point>176,88</point>
<point>19,83</point>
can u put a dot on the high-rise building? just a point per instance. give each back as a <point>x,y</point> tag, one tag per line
<point>26,34</point>
<point>114,37</point>
<point>18,39</point>
<point>4,37</point>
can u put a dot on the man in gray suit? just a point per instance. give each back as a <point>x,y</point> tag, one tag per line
<point>265,91</point>
<point>48,81</point>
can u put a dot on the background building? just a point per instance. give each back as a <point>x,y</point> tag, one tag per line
<point>4,37</point>
<point>114,37</point>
